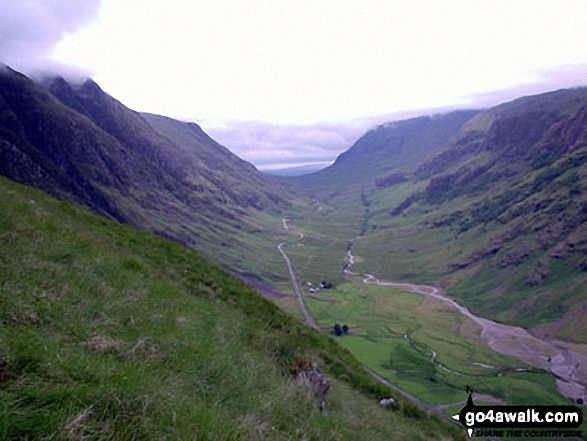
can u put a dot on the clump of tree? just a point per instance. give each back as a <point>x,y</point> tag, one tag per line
<point>340,330</point>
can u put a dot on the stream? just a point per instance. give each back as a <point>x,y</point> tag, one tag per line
<point>568,366</point>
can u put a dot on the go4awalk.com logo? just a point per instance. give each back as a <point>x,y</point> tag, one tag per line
<point>520,421</point>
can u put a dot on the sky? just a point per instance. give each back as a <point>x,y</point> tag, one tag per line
<point>291,82</point>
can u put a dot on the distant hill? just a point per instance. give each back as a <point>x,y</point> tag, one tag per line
<point>164,176</point>
<point>294,171</point>
<point>389,149</point>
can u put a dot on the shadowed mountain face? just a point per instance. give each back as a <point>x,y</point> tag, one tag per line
<point>162,175</point>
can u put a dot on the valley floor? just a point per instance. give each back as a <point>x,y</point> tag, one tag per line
<point>426,343</point>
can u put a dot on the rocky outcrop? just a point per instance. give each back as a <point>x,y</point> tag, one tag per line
<point>312,378</point>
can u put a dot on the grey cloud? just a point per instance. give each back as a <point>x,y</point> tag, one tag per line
<point>30,29</point>
<point>266,144</point>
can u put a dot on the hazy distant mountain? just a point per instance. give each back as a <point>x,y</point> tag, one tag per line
<point>164,176</point>
<point>295,170</point>
<point>395,147</point>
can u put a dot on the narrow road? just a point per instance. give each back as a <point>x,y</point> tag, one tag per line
<point>311,322</point>
<point>309,319</point>
<point>429,407</point>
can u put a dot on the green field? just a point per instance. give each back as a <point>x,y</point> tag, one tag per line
<point>395,333</point>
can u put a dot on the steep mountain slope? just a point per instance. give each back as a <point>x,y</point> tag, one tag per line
<point>164,176</point>
<point>107,332</point>
<point>500,213</point>
<point>234,179</point>
<point>388,151</point>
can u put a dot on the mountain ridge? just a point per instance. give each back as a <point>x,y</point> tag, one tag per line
<point>504,188</point>
<point>389,148</point>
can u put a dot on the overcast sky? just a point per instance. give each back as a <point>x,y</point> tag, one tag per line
<point>285,82</point>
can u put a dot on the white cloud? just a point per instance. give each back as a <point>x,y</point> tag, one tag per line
<point>302,62</point>
<point>265,144</point>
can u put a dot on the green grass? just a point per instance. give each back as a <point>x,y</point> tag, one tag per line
<point>110,333</point>
<point>394,333</point>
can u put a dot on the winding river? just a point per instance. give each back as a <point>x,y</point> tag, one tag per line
<point>568,366</point>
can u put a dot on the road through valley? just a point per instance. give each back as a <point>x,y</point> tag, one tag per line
<point>311,322</point>
<point>308,318</point>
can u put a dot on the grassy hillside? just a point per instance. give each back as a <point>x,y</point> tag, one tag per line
<point>111,333</point>
<point>507,217</point>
